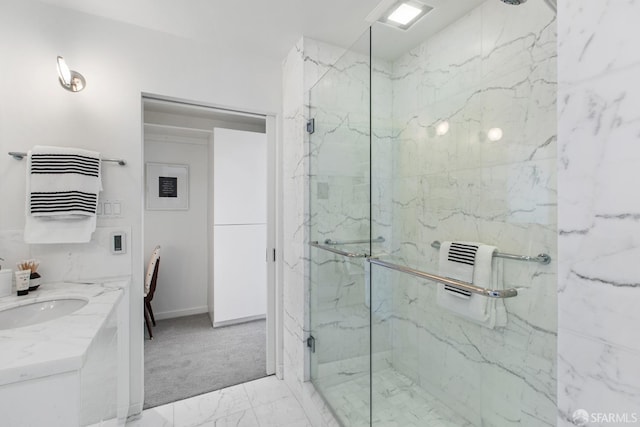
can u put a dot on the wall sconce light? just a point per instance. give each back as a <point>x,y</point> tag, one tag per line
<point>69,79</point>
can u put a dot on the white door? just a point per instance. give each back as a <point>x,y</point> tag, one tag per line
<point>239,226</point>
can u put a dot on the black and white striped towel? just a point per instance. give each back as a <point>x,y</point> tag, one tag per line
<point>470,262</point>
<point>64,182</point>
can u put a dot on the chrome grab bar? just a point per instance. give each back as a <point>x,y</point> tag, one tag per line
<point>378,239</point>
<point>541,258</point>
<point>19,156</point>
<point>338,251</point>
<point>490,293</point>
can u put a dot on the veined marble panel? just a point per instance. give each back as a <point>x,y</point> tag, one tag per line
<point>595,40</point>
<point>494,67</point>
<point>294,217</point>
<point>59,262</point>
<point>599,223</point>
<point>599,212</point>
<point>305,64</point>
<point>596,377</point>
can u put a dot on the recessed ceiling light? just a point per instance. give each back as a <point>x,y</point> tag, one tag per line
<point>404,14</point>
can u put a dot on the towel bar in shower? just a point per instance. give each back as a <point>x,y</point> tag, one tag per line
<point>541,258</point>
<point>490,293</point>
<point>19,156</point>
<point>338,251</point>
<point>378,239</point>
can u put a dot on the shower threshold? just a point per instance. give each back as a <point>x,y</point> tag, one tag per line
<point>397,401</point>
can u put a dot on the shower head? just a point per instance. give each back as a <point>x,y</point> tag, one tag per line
<point>551,3</point>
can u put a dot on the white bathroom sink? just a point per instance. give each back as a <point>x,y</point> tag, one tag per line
<point>38,312</point>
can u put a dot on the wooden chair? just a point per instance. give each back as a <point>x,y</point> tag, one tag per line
<point>150,281</point>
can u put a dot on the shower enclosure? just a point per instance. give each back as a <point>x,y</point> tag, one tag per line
<point>414,142</point>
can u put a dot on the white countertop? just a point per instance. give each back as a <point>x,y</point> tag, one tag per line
<point>58,345</point>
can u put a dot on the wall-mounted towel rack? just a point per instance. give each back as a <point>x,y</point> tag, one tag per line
<point>378,239</point>
<point>490,293</point>
<point>541,258</point>
<point>338,251</point>
<point>19,156</point>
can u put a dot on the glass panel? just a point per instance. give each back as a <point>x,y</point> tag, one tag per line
<point>340,211</point>
<point>464,149</point>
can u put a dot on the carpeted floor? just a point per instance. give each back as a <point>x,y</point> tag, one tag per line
<point>188,357</point>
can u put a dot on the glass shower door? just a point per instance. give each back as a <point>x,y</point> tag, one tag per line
<point>340,235</point>
<point>471,120</point>
<point>416,144</point>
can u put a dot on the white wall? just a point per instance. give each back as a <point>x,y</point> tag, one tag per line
<point>120,62</point>
<point>182,279</point>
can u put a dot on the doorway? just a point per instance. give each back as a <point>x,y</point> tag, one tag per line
<point>209,205</point>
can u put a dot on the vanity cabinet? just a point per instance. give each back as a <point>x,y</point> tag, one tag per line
<point>71,371</point>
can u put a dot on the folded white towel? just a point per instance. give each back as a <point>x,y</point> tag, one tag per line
<point>488,274</point>
<point>472,263</point>
<point>62,195</point>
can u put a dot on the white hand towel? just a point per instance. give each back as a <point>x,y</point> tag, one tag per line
<point>71,219</point>
<point>472,263</point>
<point>488,274</point>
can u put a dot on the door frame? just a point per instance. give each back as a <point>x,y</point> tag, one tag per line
<point>274,348</point>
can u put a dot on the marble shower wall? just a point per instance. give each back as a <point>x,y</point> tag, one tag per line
<point>599,215</point>
<point>348,192</point>
<point>495,67</point>
<point>305,64</point>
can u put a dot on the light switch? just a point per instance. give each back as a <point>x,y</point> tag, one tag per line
<point>117,209</point>
<point>99,209</point>
<point>107,208</point>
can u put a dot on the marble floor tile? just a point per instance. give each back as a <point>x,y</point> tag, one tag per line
<point>210,407</point>
<point>397,402</point>
<point>266,390</point>
<point>245,418</point>
<point>285,412</point>
<point>266,402</point>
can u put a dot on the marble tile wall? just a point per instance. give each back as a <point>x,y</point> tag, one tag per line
<point>495,67</point>
<point>345,203</point>
<point>598,357</point>
<point>339,188</point>
<point>305,64</point>
<point>599,212</point>
<point>92,260</point>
